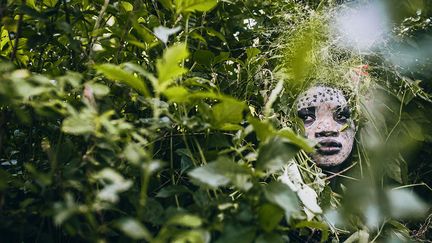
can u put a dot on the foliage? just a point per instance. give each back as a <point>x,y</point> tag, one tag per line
<point>164,121</point>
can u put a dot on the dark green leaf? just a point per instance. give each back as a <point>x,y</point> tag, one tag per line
<point>221,173</point>
<point>281,195</point>
<point>269,216</point>
<point>275,153</point>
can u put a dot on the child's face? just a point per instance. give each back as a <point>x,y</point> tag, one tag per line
<point>327,120</point>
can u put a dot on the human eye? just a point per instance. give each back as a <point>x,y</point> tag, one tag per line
<point>342,115</point>
<point>307,115</point>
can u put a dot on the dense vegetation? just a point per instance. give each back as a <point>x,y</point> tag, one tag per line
<point>171,121</point>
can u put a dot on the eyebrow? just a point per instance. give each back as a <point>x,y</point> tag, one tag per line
<point>346,109</point>
<point>306,111</point>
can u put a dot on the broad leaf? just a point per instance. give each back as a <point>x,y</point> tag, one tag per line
<point>301,142</point>
<point>186,6</point>
<point>134,229</point>
<point>187,220</point>
<point>228,111</point>
<point>239,233</point>
<point>177,94</point>
<point>275,154</point>
<point>264,130</point>
<point>117,73</point>
<point>80,124</point>
<point>168,68</point>
<point>281,195</point>
<point>269,216</point>
<point>220,173</point>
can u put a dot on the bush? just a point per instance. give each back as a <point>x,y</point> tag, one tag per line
<point>166,121</point>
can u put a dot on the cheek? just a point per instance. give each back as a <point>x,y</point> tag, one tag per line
<point>310,130</point>
<point>347,137</point>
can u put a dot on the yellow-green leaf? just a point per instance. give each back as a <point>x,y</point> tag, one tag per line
<point>185,6</point>
<point>168,68</point>
<point>177,94</point>
<point>126,6</point>
<point>228,111</point>
<point>50,3</point>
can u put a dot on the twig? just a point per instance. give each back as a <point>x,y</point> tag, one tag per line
<point>18,34</point>
<point>413,185</point>
<point>341,172</point>
<point>96,26</point>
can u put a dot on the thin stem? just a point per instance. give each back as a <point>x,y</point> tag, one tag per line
<point>145,179</point>
<point>413,185</point>
<point>399,117</point>
<point>172,171</point>
<point>18,34</point>
<point>340,172</point>
<point>96,26</point>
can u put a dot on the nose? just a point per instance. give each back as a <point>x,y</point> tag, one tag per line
<point>326,134</point>
<point>327,129</point>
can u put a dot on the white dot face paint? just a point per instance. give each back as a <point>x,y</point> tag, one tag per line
<point>327,119</point>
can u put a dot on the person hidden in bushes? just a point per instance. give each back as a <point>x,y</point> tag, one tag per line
<point>326,115</point>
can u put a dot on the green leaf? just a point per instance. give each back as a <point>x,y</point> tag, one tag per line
<point>43,178</point>
<point>204,57</point>
<point>263,129</point>
<point>177,94</point>
<point>128,7</point>
<point>144,32</point>
<point>99,90</point>
<point>237,234</point>
<point>31,4</point>
<point>192,236</point>
<point>187,220</point>
<point>166,3</point>
<point>251,53</point>
<point>315,225</point>
<point>269,216</point>
<point>168,67</point>
<point>134,229</point>
<point>215,33</point>
<point>228,111</point>
<point>140,70</point>
<point>4,178</point>
<point>221,173</point>
<point>172,190</point>
<point>275,154</point>
<point>281,195</point>
<point>117,73</point>
<point>79,124</point>
<point>114,184</point>
<point>50,3</point>
<point>186,6</point>
<point>294,138</point>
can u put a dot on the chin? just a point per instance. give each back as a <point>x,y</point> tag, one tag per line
<point>328,160</point>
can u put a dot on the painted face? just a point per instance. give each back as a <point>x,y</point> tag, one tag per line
<point>327,120</point>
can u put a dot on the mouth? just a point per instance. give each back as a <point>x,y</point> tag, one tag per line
<point>329,147</point>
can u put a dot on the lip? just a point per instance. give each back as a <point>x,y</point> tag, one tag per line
<point>329,147</point>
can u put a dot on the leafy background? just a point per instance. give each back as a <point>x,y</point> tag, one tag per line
<point>170,121</point>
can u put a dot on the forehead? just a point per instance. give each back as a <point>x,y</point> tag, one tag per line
<point>319,95</point>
